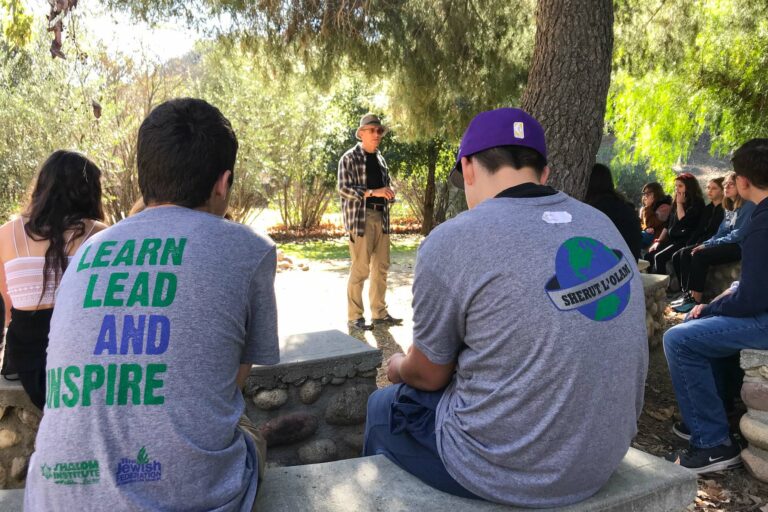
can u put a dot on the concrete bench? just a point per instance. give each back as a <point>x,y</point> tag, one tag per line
<point>642,483</point>
<point>19,420</point>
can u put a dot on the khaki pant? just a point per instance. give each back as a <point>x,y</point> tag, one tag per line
<point>370,256</point>
<point>249,429</point>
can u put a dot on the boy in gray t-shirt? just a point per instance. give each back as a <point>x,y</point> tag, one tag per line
<point>529,312</point>
<point>158,320</point>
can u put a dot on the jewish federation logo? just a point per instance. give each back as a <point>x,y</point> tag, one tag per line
<point>590,278</point>
<point>140,469</point>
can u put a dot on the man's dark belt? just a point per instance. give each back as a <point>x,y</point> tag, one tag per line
<point>375,206</point>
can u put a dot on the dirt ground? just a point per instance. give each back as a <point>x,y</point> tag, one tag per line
<point>733,490</point>
<point>315,300</point>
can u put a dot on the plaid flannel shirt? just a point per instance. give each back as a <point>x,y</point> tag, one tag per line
<point>351,186</point>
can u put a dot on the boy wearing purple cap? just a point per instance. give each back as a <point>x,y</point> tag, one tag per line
<point>525,379</point>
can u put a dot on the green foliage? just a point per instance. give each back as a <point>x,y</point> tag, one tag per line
<point>55,99</point>
<point>338,249</point>
<point>295,133</point>
<point>443,60</point>
<point>39,113</point>
<point>683,68</point>
<point>650,126</point>
<point>409,162</point>
<point>15,22</point>
<point>291,133</point>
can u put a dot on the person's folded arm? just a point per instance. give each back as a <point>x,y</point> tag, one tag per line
<point>346,185</point>
<point>419,372</point>
<point>438,326</point>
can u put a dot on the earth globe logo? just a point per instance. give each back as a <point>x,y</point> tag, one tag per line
<point>590,278</point>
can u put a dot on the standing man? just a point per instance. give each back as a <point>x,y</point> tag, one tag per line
<point>525,378</point>
<point>158,320</point>
<point>703,351</point>
<point>363,185</point>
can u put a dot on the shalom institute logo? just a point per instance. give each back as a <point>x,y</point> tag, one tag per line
<point>140,469</point>
<point>72,473</point>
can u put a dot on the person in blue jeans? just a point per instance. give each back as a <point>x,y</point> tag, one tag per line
<point>697,349</point>
<point>518,303</point>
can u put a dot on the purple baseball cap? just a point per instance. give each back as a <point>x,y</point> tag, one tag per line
<point>500,127</point>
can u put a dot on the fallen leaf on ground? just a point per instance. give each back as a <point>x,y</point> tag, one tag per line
<point>661,414</point>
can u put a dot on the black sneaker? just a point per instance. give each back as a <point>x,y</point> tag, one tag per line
<point>685,307</point>
<point>681,430</point>
<point>387,320</point>
<point>707,460</point>
<point>682,299</point>
<point>359,324</point>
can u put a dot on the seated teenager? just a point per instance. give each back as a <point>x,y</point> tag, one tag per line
<point>601,194</point>
<point>687,208</point>
<point>715,332</point>
<point>2,323</point>
<point>723,247</point>
<point>505,394</point>
<point>35,248</point>
<point>709,222</point>
<point>157,323</point>
<point>654,212</point>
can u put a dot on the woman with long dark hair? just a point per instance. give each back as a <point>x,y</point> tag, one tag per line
<point>687,207</point>
<point>35,248</point>
<point>722,247</point>
<point>654,212</point>
<point>602,194</point>
<point>709,222</point>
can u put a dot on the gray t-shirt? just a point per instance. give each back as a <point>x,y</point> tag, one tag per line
<point>153,317</point>
<point>541,302</point>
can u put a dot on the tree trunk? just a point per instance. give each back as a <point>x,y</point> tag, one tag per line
<point>568,85</point>
<point>429,192</point>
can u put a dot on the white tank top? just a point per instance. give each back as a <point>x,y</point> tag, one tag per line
<point>24,276</point>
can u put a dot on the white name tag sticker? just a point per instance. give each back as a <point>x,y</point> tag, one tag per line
<point>557,217</point>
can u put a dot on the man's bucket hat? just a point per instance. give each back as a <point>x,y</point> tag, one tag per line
<point>370,120</point>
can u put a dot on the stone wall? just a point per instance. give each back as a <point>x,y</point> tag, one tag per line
<point>754,424</point>
<point>19,420</point>
<point>719,278</point>
<point>655,287</point>
<point>311,407</point>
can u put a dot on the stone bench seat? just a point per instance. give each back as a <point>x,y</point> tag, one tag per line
<point>642,483</point>
<point>655,289</point>
<point>754,424</point>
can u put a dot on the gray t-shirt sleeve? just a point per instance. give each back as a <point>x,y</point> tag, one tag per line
<point>438,318</point>
<point>261,341</point>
